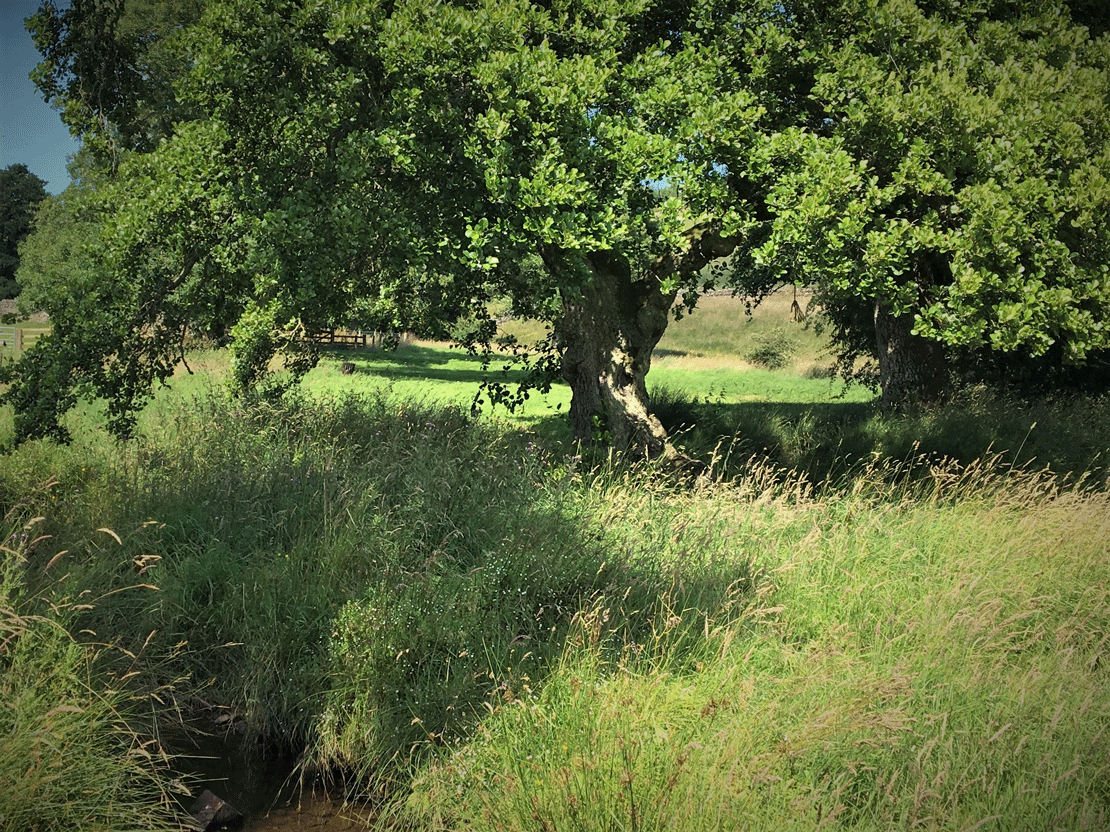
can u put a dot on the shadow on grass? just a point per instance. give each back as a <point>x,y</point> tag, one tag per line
<point>662,352</point>
<point>838,442</point>
<point>827,441</point>
<point>835,441</point>
<point>338,570</point>
<point>421,363</point>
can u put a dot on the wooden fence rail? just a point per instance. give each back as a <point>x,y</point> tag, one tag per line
<point>16,338</point>
<point>353,338</point>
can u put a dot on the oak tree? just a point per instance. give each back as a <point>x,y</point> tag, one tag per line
<point>418,154</point>
<point>955,195</point>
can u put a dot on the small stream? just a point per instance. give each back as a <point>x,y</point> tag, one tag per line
<point>317,813</point>
<point>265,791</point>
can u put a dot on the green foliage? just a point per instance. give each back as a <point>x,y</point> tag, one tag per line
<point>949,162</point>
<point>57,263</point>
<point>773,350</point>
<point>22,192</point>
<point>960,176</point>
<point>552,126</point>
<point>110,70</point>
<point>68,760</point>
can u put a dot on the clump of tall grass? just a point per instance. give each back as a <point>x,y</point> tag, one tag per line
<point>68,758</point>
<point>351,577</point>
<point>935,660</point>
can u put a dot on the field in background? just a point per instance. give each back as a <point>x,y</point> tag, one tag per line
<point>15,338</point>
<point>700,361</point>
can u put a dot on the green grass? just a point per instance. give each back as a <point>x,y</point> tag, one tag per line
<point>799,423</point>
<point>935,660</point>
<point>31,332</point>
<point>862,622</point>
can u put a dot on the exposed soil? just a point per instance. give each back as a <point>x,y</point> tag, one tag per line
<point>11,307</point>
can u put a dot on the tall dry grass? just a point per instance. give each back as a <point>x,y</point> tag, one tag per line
<point>69,757</point>
<point>931,659</point>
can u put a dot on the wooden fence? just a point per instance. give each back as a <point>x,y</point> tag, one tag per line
<point>351,338</point>
<point>16,339</point>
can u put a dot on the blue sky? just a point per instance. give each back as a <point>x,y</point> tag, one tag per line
<point>30,130</point>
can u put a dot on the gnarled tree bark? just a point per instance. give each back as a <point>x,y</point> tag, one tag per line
<point>607,334</point>
<point>912,370</point>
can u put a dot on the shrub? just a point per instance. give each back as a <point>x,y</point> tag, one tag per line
<point>772,350</point>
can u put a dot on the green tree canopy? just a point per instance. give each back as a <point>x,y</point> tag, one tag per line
<point>420,153</point>
<point>955,196</point>
<point>935,168</point>
<point>110,68</point>
<point>21,193</point>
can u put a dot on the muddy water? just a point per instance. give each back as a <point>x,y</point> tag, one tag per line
<point>313,812</point>
<point>264,790</point>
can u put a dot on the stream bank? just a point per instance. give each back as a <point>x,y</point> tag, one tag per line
<point>263,785</point>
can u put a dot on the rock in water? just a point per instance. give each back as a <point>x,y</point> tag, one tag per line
<point>213,812</point>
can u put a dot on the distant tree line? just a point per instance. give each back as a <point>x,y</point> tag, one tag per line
<point>21,193</point>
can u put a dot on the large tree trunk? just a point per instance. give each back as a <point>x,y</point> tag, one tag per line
<point>608,331</point>
<point>607,334</point>
<point>912,370</point>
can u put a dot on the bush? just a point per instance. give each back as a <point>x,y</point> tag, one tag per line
<point>772,350</point>
<point>674,407</point>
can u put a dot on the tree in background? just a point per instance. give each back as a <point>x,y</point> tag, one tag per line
<point>954,197</point>
<point>421,155</point>
<point>352,163</point>
<point>21,193</point>
<point>57,267</point>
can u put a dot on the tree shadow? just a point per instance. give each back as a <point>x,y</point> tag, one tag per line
<point>832,441</point>
<point>420,363</point>
<point>838,442</point>
<point>663,352</point>
<point>393,570</point>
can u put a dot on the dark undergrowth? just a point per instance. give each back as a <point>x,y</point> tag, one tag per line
<point>833,443</point>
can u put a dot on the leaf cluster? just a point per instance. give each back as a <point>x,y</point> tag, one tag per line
<point>961,173</point>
